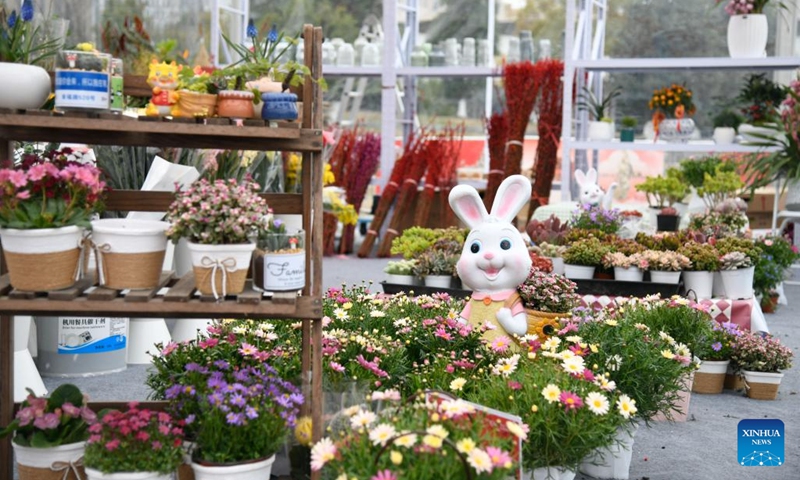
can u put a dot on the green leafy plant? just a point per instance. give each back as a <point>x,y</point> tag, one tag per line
<point>197,80</point>
<point>60,419</point>
<point>629,122</point>
<point>597,107</point>
<point>694,171</point>
<point>416,240</point>
<point>18,37</point>
<point>275,238</point>
<point>663,191</point>
<point>704,257</point>
<point>660,241</point>
<point>761,97</point>
<point>720,186</point>
<point>136,440</point>
<point>719,346</point>
<point>727,118</point>
<point>587,252</point>
<point>400,267</point>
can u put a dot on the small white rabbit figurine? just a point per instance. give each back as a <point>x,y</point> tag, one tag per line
<point>495,258</point>
<point>590,191</point>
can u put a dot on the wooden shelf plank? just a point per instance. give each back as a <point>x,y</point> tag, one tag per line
<point>157,133</point>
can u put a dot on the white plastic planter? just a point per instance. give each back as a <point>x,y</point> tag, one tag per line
<point>130,253</point>
<point>549,473</point>
<point>747,36</point>
<point>738,283</point>
<point>630,274</point>
<point>613,461</point>
<point>578,272</point>
<point>558,265</point>
<point>400,279</point>
<point>718,288</point>
<point>601,131</point>
<point>665,277</point>
<point>221,270</point>
<point>92,474</point>
<point>45,457</point>
<point>246,471</point>
<point>701,283</point>
<point>724,135</point>
<point>43,258</point>
<point>438,281</point>
<point>24,86</point>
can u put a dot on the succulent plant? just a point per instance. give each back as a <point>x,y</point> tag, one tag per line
<point>669,211</point>
<point>704,257</point>
<point>551,231</point>
<point>588,252</point>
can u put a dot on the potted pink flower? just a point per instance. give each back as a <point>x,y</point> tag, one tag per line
<point>665,266</point>
<point>629,268</point>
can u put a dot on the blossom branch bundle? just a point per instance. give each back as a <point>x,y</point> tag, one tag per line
<point>522,83</point>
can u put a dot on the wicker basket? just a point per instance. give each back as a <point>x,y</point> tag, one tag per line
<point>762,385</point>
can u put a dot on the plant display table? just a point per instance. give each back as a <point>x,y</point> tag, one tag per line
<point>176,297</point>
<point>745,313</point>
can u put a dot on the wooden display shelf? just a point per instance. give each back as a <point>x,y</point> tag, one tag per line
<point>147,201</point>
<point>113,129</point>
<point>176,295</point>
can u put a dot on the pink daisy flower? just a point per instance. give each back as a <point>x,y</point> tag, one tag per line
<point>570,400</point>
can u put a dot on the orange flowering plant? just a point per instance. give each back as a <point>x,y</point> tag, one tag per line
<point>674,101</point>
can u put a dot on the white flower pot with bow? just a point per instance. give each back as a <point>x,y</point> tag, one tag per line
<point>221,270</point>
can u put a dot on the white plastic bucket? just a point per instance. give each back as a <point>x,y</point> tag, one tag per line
<point>245,471</point>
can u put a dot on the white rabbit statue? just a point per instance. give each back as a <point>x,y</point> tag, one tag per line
<point>590,192</point>
<point>495,258</point>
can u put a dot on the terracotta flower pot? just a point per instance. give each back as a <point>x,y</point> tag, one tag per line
<point>235,104</point>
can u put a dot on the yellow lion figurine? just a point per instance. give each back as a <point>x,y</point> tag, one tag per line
<point>163,78</point>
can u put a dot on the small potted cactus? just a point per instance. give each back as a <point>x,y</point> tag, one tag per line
<point>668,220</point>
<point>628,132</point>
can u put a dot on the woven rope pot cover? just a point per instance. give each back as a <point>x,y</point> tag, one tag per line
<point>64,462</point>
<point>42,259</point>
<point>221,270</point>
<point>129,253</point>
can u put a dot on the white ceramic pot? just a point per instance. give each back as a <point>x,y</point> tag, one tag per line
<point>400,279</point>
<point>676,130</point>
<point>601,131</point>
<point>613,461</point>
<point>246,471</point>
<point>762,385</point>
<point>45,457</point>
<point>701,283</point>
<point>558,264</point>
<point>630,274</point>
<point>718,288</point>
<point>549,473</point>
<point>724,135</point>
<point>710,377</point>
<point>747,36</point>
<point>93,474</point>
<point>665,277</point>
<point>24,86</point>
<point>438,281</point>
<point>738,283</point>
<point>42,258</point>
<point>120,243</point>
<point>578,272</point>
<point>221,270</point>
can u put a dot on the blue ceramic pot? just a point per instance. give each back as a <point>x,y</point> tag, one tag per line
<point>279,106</point>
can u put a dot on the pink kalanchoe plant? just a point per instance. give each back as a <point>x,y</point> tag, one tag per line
<point>136,440</point>
<point>745,7</point>
<point>50,190</point>
<point>61,419</point>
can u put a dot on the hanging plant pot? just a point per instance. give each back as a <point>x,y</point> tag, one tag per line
<point>747,36</point>
<point>235,104</point>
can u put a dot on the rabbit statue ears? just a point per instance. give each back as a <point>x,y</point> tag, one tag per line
<point>586,178</point>
<point>590,192</point>
<point>513,194</point>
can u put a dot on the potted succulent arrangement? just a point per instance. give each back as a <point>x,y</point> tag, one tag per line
<point>726,124</point>
<point>699,276</point>
<point>627,268</point>
<point>50,434</point>
<point>737,259</point>
<point>715,356</point>
<point>218,218</point>
<point>437,266</point>
<point>672,106</point>
<point>433,437</point>
<point>547,296</point>
<point>27,85</point>
<point>279,262</point>
<point>137,444</point>
<point>47,203</point>
<point>760,359</point>
<point>570,408</point>
<point>549,236</point>
<point>400,272</point>
<point>582,257</point>
<point>665,266</point>
<point>628,132</point>
<point>601,127</point>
